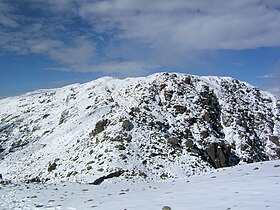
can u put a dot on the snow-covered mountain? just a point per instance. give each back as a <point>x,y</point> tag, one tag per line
<point>156,127</point>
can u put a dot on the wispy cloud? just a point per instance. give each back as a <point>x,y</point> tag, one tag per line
<point>77,53</point>
<point>121,68</point>
<point>6,16</point>
<point>273,85</point>
<point>89,35</point>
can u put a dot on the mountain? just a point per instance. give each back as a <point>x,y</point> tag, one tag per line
<point>156,127</point>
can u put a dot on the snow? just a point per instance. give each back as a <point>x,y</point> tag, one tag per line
<point>251,186</point>
<point>34,119</point>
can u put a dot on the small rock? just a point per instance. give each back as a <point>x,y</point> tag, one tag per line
<point>274,139</point>
<point>166,208</point>
<point>127,125</point>
<point>204,134</point>
<point>173,141</point>
<point>34,180</point>
<point>52,167</point>
<point>256,168</point>
<point>99,127</point>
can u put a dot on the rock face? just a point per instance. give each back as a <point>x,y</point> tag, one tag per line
<point>220,155</point>
<point>165,125</point>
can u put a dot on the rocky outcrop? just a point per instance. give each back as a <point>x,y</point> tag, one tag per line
<point>219,154</point>
<point>109,176</point>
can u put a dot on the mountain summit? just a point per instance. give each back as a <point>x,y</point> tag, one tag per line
<point>156,127</point>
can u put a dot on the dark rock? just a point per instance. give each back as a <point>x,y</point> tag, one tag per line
<point>127,125</point>
<point>17,144</point>
<point>143,174</point>
<point>99,127</point>
<point>135,109</point>
<point>1,149</point>
<point>118,138</point>
<point>63,116</point>
<point>274,139</point>
<point>5,182</point>
<point>187,134</point>
<point>52,167</point>
<point>168,95</point>
<point>173,142</point>
<point>189,144</point>
<point>187,80</point>
<point>166,208</point>
<point>204,134</point>
<point>72,173</point>
<point>128,138</point>
<point>207,117</point>
<point>109,176</point>
<point>34,180</point>
<point>193,120</point>
<point>220,155</point>
<point>162,86</point>
<point>179,109</point>
<point>39,205</point>
<point>45,116</point>
<point>120,147</point>
<point>122,138</point>
<point>88,107</point>
<point>122,156</point>
<point>277,150</point>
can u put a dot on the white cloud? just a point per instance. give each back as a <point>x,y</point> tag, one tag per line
<point>121,68</point>
<point>274,88</point>
<point>235,25</point>
<point>78,53</point>
<point>124,67</point>
<point>273,78</point>
<point>142,33</point>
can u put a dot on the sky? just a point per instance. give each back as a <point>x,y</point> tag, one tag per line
<point>52,43</point>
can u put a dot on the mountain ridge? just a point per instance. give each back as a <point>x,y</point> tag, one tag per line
<point>156,127</point>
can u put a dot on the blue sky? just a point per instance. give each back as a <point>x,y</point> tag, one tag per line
<point>46,44</point>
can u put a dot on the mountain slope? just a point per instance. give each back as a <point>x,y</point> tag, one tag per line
<point>164,125</point>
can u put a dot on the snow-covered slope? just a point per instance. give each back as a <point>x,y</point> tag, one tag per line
<point>156,127</point>
<point>250,187</point>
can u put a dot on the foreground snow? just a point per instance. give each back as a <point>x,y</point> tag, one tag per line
<point>252,186</point>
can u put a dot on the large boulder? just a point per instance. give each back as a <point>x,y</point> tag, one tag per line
<point>220,155</point>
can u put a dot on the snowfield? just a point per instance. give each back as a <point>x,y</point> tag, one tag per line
<point>251,186</point>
